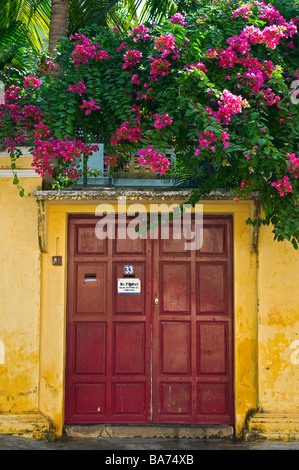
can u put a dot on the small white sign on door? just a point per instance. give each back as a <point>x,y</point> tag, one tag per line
<point>128,286</point>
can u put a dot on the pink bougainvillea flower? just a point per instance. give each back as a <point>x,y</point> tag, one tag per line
<point>283,186</point>
<point>131,58</point>
<point>111,160</point>
<point>294,164</point>
<point>197,66</point>
<point>206,138</point>
<point>140,29</point>
<point>89,106</point>
<point>31,82</point>
<point>244,11</point>
<point>212,53</point>
<point>41,130</point>
<point>46,67</point>
<point>84,49</point>
<point>78,87</point>
<point>141,33</point>
<point>269,96</point>
<point>12,93</point>
<point>178,18</point>
<point>162,120</point>
<point>32,114</point>
<point>102,55</point>
<point>164,44</point>
<point>158,162</point>
<point>135,79</point>
<point>127,131</point>
<point>67,151</point>
<point>225,137</point>
<point>159,67</point>
<point>121,47</point>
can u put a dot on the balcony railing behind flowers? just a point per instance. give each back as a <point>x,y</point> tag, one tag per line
<point>131,174</point>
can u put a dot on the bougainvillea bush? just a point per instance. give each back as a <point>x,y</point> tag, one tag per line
<point>216,84</point>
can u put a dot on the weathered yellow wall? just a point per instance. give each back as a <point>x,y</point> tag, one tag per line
<point>278,282</point>
<point>19,296</point>
<point>33,307</point>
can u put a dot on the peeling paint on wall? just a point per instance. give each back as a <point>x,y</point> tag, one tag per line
<point>295,354</point>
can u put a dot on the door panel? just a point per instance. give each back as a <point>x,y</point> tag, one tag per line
<point>90,348</point>
<point>129,358</point>
<point>193,329</point>
<point>212,350</point>
<point>90,288</point>
<point>175,337</point>
<point>129,304</point>
<point>212,288</point>
<point>108,361</point>
<point>175,399</point>
<point>174,289</point>
<point>162,355</point>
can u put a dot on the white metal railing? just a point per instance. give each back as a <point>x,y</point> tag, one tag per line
<point>131,174</point>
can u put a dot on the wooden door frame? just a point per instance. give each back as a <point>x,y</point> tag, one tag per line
<point>152,263</point>
<point>54,209</point>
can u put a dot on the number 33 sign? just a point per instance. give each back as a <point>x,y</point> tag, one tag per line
<point>128,269</point>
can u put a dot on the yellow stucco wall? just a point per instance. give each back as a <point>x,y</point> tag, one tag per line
<point>33,307</point>
<point>278,283</point>
<point>19,296</point>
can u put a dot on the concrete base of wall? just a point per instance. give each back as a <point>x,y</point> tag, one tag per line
<point>149,431</point>
<point>33,425</point>
<point>273,426</point>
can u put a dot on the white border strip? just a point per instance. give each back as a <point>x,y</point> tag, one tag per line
<point>24,150</point>
<point>20,174</point>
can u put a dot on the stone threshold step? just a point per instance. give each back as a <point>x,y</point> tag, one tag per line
<point>271,436</point>
<point>282,426</point>
<point>105,431</point>
<point>29,424</point>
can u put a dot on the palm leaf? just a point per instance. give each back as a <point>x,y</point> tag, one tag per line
<point>110,13</point>
<point>34,16</point>
<point>156,10</point>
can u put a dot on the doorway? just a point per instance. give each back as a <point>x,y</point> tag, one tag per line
<point>149,327</point>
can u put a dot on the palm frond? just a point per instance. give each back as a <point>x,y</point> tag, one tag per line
<point>101,12</point>
<point>156,10</point>
<point>34,15</point>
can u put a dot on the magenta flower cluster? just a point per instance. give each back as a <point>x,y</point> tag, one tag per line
<point>78,87</point>
<point>31,82</point>
<point>157,162</point>
<point>251,72</point>
<point>89,106</point>
<point>131,58</point>
<point>68,152</point>
<point>228,105</point>
<point>128,131</point>
<point>283,186</point>
<point>85,50</point>
<point>162,120</point>
<point>111,160</point>
<point>140,33</point>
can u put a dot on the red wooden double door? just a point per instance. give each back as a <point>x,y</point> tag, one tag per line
<point>163,353</point>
